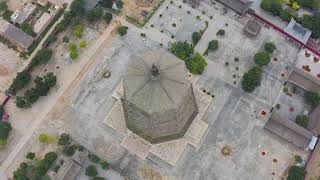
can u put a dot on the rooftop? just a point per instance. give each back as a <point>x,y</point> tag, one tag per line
<point>17,35</point>
<point>239,6</point>
<point>298,31</point>
<point>21,16</point>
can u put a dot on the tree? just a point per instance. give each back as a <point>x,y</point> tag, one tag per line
<point>269,47</point>
<point>95,14</point>
<point>52,38</point>
<point>122,30</point>
<point>104,165</point>
<point>27,29</point>
<point>252,79</point>
<point>273,6</point>
<point>31,95</point>
<point>64,139</point>
<point>77,7</point>
<point>107,3</point>
<point>93,158</point>
<point>196,36</point>
<point>74,55</point>
<point>213,45</point>
<point>31,155</point>
<point>302,120</point>
<point>196,64</point>
<point>312,98</point>
<point>69,150</point>
<point>72,47</point>
<point>182,50</point>
<point>50,79</point>
<point>21,102</point>
<point>78,31</point>
<point>221,32</point>
<point>5,128</point>
<point>119,4</point>
<point>21,80</point>
<point>296,173</point>
<point>7,14</point>
<point>262,58</point>
<point>83,44</point>
<point>21,172</point>
<point>98,178</point>
<point>91,171</point>
<point>3,6</point>
<point>41,57</point>
<point>108,17</point>
<point>286,14</point>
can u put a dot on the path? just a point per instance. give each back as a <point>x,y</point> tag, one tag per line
<point>86,62</point>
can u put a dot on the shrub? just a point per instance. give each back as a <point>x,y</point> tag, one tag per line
<point>104,165</point>
<point>31,155</point>
<point>196,36</point>
<point>269,47</point>
<point>108,17</point>
<point>182,50</point>
<point>252,79</point>
<point>27,28</point>
<point>83,44</point>
<point>312,98</point>
<point>262,58</point>
<point>196,64</point>
<point>221,32</point>
<point>69,150</point>
<point>296,173</point>
<point>45,138</point>
<point>72,47</point>
<point>91,171</point>
<point>78,30</point>
<point>5,128</point>
<point>302,120</point>
<point>298,159</point>
<point>122,30</point>
<point>93,158</point>
<point>278,106</point>
<point>74,55</point>
<point>64,139</point>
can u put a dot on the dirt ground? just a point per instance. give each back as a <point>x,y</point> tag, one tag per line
<point>134,8</point>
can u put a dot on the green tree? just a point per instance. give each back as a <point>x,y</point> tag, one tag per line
<point>78,31</point>
<point>5,128</point>
<point>31,155</point>
<point>252,79</point>
<point>286,14</point>
<point>93,158</point>
<point>302,120</point>
<point>312,98</point>
<point>52,38</point>
<point>221,32</point>
<point>31,95</point>
<point>273,6</point>
<point>107,3</point>
<point>41,57</point>
<point>269,47</point>
<point>262,58</point>
<point>21,102</point>
<point>27,28</point>
<point>122,30</point>
<point>119,4</point>
<point>95,14</point>
<point>77,7</point>
<point>213,45</point>
<point>72,47</point>
<point>91,171</point>
<point>74,55</point>
<point>196,36</point>
<point>64,139</point>
<point>3,6</point>
<point>21,172</point>
<point>296,173</point>
<point>196,64</point>
<point>108,17</point>
<point>182,50</point>
<point>20,81</point>
<point>104,165</point>
<point>69,150</point>
<point>7,15</point>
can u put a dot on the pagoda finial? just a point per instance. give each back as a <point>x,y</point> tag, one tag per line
<point>155,70</point>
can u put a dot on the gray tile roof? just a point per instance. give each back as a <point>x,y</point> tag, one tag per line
<point>239,6</point>
<point>16,35</point>
<point>298,31</point>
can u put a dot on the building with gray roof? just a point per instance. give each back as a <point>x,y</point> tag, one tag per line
<point>298,31</point>
<point>20,16</point>
<point>159,103</point>
<point>239,6</point>
<point>16,36</point>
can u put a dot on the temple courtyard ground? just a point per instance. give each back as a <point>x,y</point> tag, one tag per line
<point>234,118</point>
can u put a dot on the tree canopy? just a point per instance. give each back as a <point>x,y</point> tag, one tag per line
<point>262,58</point>
<point>122,30</point>
<point>213,45</point>
<point>91,171</point>
<point>95,14</point>
<point>5,128</point>
<point>196,36</point>
<point>107,3</point>
<point>41,57</point>
<point>182,50</point>
<point>302,120</point>
<point>296,173</point>
<point>77,7</point>
<point>312,98</point>
<point>108,17</point>
<point>270,47</point>
<point>20,81</point>
<point>252,79</point>
<point>196,64</point>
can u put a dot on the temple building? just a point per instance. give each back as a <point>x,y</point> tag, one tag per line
<point>158,102</point>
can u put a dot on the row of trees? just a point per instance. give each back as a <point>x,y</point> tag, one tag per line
<point>195,62</point>
<point>43,85</point>
<point>252,79</point>
<point>309,21</point>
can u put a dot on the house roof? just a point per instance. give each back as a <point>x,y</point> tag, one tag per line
<point>17,35</point>
<point>239,6</point>
<point>21,16</point>
<point>289,131</point>
<point>253,27</point>
<point>298,31</point>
